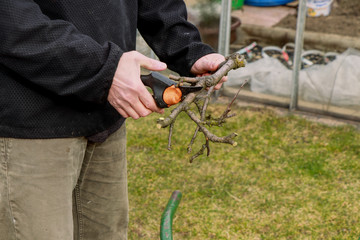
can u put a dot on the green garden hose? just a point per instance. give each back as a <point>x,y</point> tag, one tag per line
<point>167,216</point>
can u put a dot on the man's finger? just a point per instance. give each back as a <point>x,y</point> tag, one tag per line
<point>122,112</point>
<point>140,109</point>
<point>151,64</point>
<point>149,102</point>
<point>218,86</point>
<point>132,113</point>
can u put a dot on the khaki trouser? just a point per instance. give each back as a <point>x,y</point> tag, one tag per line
<point>63,189</point>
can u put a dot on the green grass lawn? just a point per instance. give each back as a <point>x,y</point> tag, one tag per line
<point>288,178</point>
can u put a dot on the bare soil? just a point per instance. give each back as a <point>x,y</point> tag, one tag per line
<point>344,19</point>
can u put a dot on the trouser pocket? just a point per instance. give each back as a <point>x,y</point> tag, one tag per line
<point>38,177</point>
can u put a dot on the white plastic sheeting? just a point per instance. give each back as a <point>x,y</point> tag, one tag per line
<point>337,83</point>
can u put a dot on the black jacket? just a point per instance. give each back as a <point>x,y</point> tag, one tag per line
<point>58,58</point>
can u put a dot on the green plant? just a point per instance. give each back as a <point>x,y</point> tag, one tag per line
<point>209,12</point>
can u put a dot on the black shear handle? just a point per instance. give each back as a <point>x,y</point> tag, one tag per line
<point>158,83</point>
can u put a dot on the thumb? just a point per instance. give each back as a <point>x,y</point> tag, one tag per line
<point>151,64</point>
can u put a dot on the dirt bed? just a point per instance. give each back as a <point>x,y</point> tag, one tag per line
<point>344,19</point>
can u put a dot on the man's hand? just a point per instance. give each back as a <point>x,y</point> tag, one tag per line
<point>127,94</point>
<point>207,64</point>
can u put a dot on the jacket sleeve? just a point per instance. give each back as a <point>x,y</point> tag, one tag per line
<point>52,55</point>
<point>164,26</point>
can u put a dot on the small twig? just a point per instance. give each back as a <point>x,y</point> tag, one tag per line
<point>183,79</point>
<point>170,135</point>
<point>203,115</point>
<point>200,152</point>
<point>228,108</point>
<point>212,137</point>
<point>164,122</point>
<point>198,105</point>
<point>193,139</point>
<point>206,103</point>
<point>207,144</point>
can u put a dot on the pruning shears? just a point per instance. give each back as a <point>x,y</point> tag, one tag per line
<point>165,91</point>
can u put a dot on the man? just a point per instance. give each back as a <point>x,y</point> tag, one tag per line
<point>69,77</point>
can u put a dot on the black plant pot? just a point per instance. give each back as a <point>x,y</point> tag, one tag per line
<point>210,35</point>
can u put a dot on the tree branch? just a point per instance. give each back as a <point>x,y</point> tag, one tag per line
<point>234,61</point>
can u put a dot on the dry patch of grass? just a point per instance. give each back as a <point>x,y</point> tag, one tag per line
<point>287,178</point>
